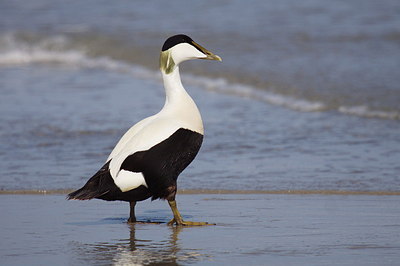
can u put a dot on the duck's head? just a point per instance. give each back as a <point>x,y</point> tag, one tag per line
<point>180,48</point>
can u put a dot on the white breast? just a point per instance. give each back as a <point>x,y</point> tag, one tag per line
<point>179,111</point>
<point>153,130</point>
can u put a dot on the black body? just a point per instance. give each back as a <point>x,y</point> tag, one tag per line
<point>160,166</point>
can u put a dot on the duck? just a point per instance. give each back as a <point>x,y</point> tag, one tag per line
<point>147,160</point>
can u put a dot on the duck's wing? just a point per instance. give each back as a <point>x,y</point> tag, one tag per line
<point>129,135</point>
<point>149,135</point>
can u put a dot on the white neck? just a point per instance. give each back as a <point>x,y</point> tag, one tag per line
<point>174,89</point>
<point>178,102</point>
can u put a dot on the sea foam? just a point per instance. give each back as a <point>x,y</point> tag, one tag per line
<point>75,58</point>
<point>365,111</point>
<point>54,51</point>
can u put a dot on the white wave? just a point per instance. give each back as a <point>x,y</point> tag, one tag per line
<point>21,57</point>
<point>71,58</point>
<point>74,58</point>
<point>222,85</point>
<point>50,51</point>
<point>364,111</point>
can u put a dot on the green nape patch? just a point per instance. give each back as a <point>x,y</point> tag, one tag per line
<point>167,64</point>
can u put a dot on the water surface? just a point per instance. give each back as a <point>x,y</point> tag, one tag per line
<point>251,229</point>
<point>305,99</point>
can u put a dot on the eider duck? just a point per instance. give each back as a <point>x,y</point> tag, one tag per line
<point>148,159</point>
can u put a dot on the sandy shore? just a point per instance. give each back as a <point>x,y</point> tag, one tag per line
<point>252,229</point>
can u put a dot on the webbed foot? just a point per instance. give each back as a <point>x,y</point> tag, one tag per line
<point>187,223</point>
<point>178,218</point>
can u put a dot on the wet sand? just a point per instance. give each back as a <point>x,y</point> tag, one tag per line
<point>252,229</point>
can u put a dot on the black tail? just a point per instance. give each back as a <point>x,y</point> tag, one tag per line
<point>97,186</point>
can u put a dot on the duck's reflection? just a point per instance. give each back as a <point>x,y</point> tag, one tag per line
<point>148,251</point>
<point>147,244</point>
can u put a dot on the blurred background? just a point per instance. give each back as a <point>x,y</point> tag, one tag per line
<point>307,96</point>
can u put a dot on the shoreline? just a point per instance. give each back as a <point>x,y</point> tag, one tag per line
<point>221,191</point>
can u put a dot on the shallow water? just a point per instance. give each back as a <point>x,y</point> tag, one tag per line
<point>251,229</point>
<point>340,55</point>
<point>299,103</point>
<point>58,131</point>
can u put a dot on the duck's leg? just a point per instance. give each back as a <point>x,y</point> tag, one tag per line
<point>132,217</point>
<point>178,218</point>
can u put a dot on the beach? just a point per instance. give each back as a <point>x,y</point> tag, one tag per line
<point>252,229</point>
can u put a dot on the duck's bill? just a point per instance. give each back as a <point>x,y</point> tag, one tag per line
<point>209,55</point>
